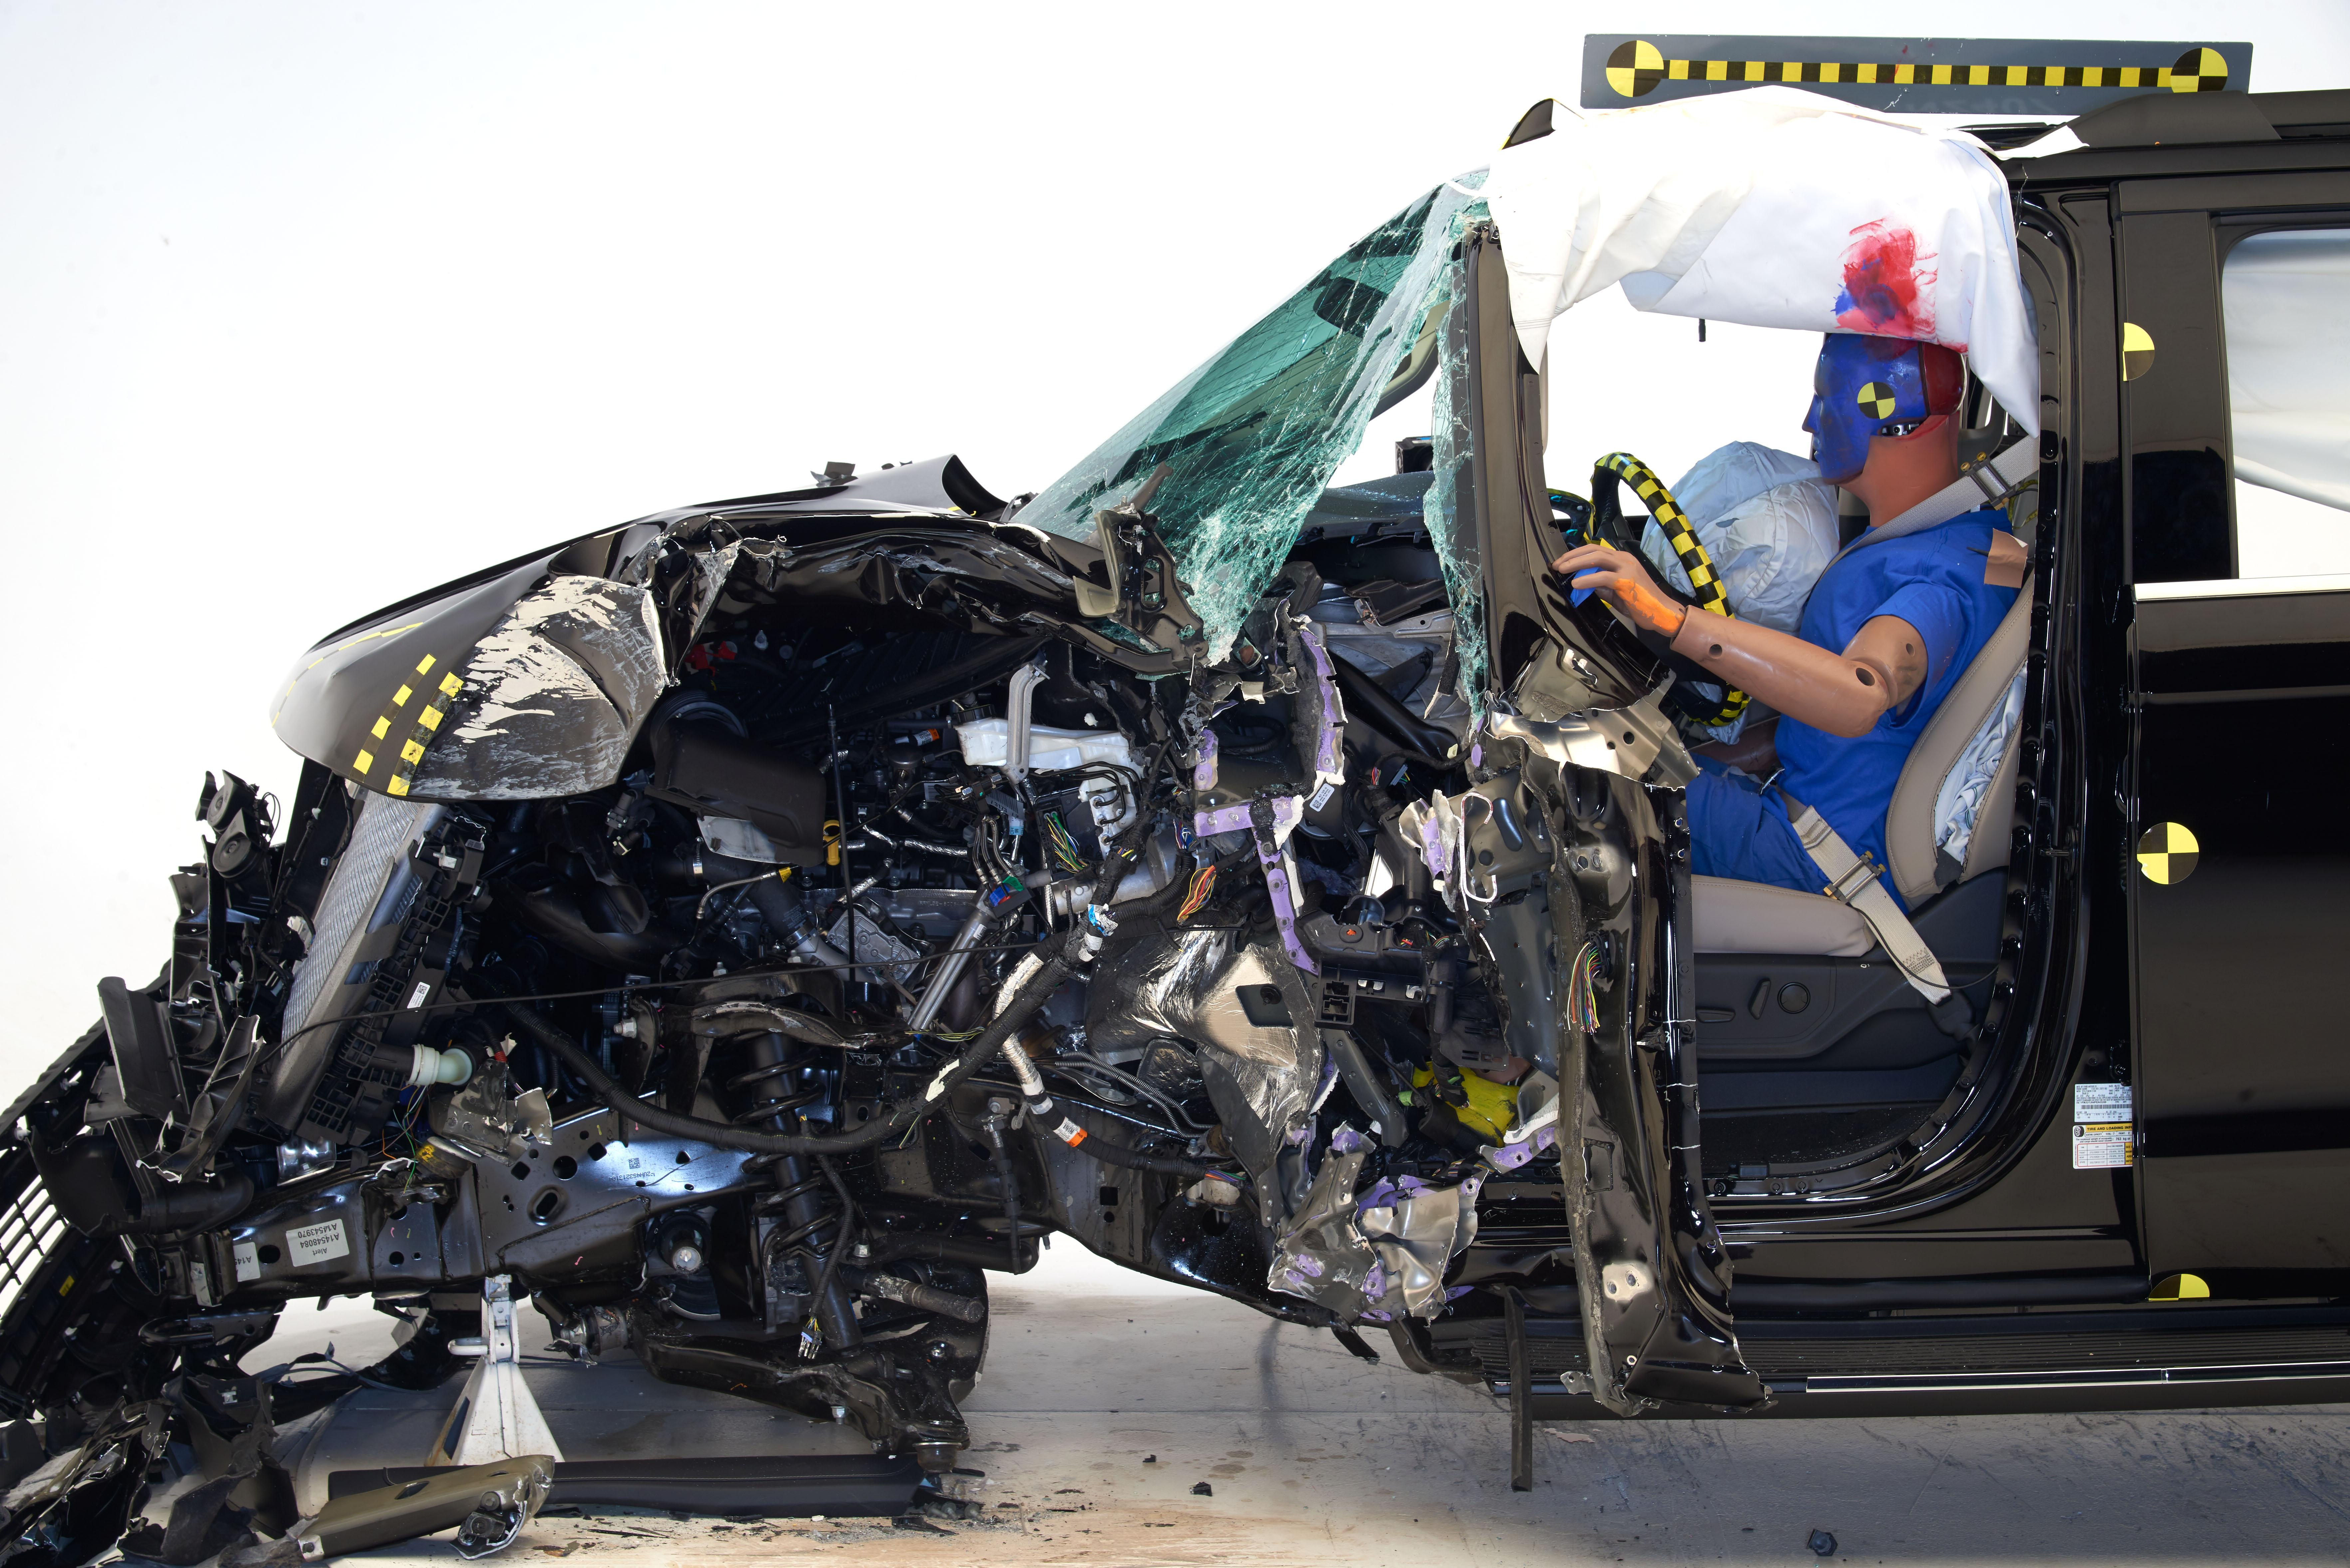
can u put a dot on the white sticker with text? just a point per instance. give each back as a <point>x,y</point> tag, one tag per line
<point>2101,1102</point>
<point>318,1243</point>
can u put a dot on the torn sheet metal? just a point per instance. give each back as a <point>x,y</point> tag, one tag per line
<point>1379,1255</point>
<point>1772,207</point>
<point>978,580</point>
<point>1636,741</point>
<point>1247,1010</point>
<point>1417,1230</point>
<point>1322,714</point>
<point>552,696</point>
<point>1195,986</point>
<point>1323,1255</point>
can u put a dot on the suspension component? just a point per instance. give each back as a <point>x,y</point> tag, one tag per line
<point>809,1226</point>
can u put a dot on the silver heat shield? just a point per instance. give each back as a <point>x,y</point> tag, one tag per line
<point>1261,1061</point>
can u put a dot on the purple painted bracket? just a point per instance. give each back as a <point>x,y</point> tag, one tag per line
<point>1511,1155</point>
<point>1431,847</point>
<point>1285,905</point>
<point>1266,821</point>
<point>1288,811</point>
<point>1204,771</point>
<point>1326,681</point>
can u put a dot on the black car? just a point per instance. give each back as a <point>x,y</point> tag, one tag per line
<point>737,932</point>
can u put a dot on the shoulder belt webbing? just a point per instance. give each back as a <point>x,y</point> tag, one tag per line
<point>1853,881</point>
<point>1985,484</point>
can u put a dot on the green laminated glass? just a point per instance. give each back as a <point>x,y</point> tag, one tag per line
<point>1449,505</point>
<point>1252,437</point>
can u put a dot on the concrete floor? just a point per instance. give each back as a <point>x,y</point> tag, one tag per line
<point>1100,1411</point>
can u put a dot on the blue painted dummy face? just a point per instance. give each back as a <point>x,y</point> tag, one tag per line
<point>1865,386</point>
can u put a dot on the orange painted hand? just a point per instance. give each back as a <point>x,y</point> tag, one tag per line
<point>1624,578</point>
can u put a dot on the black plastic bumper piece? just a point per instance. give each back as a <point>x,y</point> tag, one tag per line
<point>852,1486</point>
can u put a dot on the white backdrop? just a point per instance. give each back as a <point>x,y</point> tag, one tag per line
<point>304,308</point>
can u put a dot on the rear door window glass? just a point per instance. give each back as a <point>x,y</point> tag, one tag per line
<point>2286,296</point>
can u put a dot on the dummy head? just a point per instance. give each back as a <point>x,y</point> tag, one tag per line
<point>1882,415</point>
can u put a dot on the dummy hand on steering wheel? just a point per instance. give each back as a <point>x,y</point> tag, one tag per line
<point>1624,578</point>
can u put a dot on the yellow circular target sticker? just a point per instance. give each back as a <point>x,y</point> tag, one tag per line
<point>2138,350</point>
<point>1876,401</point>
<point>1635,69</point>
<point>2167,853</point>
<point>2199,70</point>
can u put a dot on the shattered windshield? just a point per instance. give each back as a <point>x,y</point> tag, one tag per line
<point>1450,508</point>
<point>1252,436</point>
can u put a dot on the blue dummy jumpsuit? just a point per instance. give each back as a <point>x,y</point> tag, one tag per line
<point>1933,579</point>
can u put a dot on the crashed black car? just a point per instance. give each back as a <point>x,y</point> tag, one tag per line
<point>734,934</point>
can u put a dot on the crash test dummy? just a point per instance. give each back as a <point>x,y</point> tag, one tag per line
<point>1887,633</point>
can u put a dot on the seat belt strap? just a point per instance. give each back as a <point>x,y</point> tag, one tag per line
<point>1853,881</point>
<point>1985,484</point>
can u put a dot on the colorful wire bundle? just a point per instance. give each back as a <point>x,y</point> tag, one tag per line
<point>1203,883</point>
<point>1582,999</point>
<point>1065,848</point>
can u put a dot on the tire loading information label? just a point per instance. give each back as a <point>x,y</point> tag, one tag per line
<point>2101,1128</point>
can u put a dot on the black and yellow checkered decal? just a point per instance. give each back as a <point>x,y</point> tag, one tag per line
<point>1705,582</point>
<point>1876,399</point>
<point>2021,76</point>
<point>2167,853</point>
<point>415,733</point>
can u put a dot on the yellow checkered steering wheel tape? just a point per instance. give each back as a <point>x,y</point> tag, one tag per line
<point>1705,583</point>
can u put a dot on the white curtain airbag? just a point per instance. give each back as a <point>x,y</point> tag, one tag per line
<point>1771,207</point>
<point>2287,300</point>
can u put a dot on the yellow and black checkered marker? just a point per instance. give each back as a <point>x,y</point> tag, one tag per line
<point>1876,401</point>
<point>417,733</point>
<point>2138,350</point>
<point>1635,69</point>
<point>2167,853</point>
<point>1705,582</point>
<point>2011,76</point>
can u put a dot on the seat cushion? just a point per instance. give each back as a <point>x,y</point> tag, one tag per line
<point>1911,828</point>
<point>1756,918</point>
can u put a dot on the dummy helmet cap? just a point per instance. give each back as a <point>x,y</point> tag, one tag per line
<point>1863,384</point>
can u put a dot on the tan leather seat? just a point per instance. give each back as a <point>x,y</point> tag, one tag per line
<point>1753,917</point>
<point>1756,918</point>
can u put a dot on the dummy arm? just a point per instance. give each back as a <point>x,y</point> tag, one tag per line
<point>1843,693</point>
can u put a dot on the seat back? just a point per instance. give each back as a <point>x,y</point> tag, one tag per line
<point>1963,772</point>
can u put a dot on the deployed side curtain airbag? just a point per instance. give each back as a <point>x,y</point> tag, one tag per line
<point>1771,207</point>
<point>2286,296</point>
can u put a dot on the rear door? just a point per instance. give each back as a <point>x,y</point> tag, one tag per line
<point>1606,898</point>
<point>2239,836</point>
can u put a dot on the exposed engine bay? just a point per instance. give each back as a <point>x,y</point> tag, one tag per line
<point>911,925</point>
